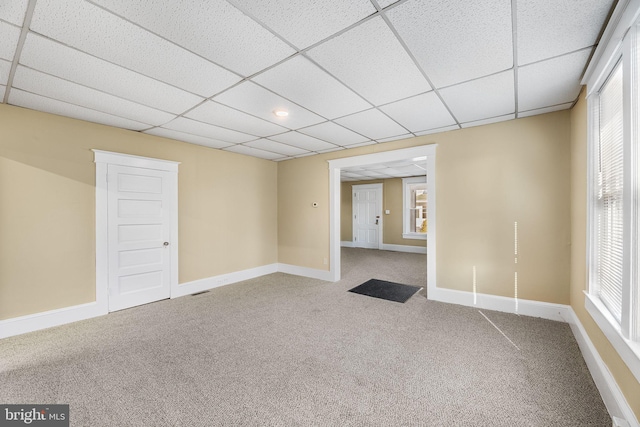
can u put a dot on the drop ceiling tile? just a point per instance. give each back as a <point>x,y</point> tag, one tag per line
<point>371,60</point>
<point>360,144</point>
<point>276,147</point>
<point>3,89</point>
<point>47,105</point>
<point>188,137</point>
<point>483,98</point>
<point>253,152</point>
<point>302,141</point>
<point>438,130</point>
<point>396,138</point>
<point>546,110</point>
<point>5,67</point>
<point>328,150</point>
<point>67,63</point>
<point>214,29</point>
<point>13,11</point>
<point>9,36</point>
<point>373,124</point>
<point>385,3</point>
<point>551,82</point>
<point>221,115</point>
<point>93,30</point>
<point>548,28</point>
<point>463,39</point>
<point>488,121</point>
<point>334,133</point>
<point>55,88</point>
<point>260,102</point>
<point>420,112</point>
<point>182,124</point>
<point>305,22</point>
<point>304,83</point>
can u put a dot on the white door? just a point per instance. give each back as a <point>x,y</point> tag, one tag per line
<point>139,235</point>
<point>367,216</point>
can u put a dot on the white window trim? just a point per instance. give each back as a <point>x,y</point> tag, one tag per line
<point>618,41</point>
<point>406,234</point>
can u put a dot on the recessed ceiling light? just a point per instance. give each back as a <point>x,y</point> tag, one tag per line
<point>281,113</point>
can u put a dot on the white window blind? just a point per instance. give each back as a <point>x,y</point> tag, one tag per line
<point>609,185</point>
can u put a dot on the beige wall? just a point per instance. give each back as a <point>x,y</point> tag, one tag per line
<point>227,208</point>
<point>487,178</point>
<point>392,223</point>
<point>623,376</point>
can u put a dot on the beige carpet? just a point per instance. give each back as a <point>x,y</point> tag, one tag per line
<point>286,351</point>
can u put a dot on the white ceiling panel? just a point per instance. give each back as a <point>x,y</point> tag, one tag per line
<point>373,124</point>
<point>456,40</point>
<point>385,3</point>
<point>188,137</point>
<point>13,11</point>
<point>3,89</point>
<point>546,110</point>
<point>438,130</point>
<point>304,83</point>
<point>53,58</point>
<point>488,121</point>
<point>547,28</point>
<point>106,36</point>
<point>182,124</point>
<point>420,112</point>
<point>551,82</point>
<point>361,144</point>
<point>483,98</point>
<point>303,141</point>
<point>329,150</point>
<point>221,115</point>
<point>260,102</point>
<point>371,60</point>
<point>253,152</point>
<point>5,67</point>
<point>9,36</point>
<point>214,29</point>
<point>305,22</point>
<point>334,133</point>
<point>276,147</point>
<point>40,103</point>
<point>53,87</point>
<point>396,138</point>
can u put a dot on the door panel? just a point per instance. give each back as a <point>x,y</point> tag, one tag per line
<point>367,215</point>
<point>139,226</point>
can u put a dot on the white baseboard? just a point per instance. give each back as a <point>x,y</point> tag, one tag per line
<point>312,273</point>
<point>405,248</point>
<point>544,310</point>
<point>613,398</point>
<point>201,285</point>
<point>390,247</point>
<point>49,319</point>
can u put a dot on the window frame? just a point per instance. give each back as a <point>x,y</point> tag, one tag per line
<point>620,46</point>
<point>406,207</point>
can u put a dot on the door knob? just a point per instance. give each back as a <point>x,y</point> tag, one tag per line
<point>166,243</point>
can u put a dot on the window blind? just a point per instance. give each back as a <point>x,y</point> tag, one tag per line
<point>609,205</point>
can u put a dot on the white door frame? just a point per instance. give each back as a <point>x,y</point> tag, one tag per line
<point>371,159</point>
<point>102,159</point>
<point>378,188</point>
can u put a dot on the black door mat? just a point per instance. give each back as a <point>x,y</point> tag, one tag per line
<point>386,290</point>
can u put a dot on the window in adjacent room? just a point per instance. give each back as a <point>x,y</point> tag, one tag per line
<point>414,197</point>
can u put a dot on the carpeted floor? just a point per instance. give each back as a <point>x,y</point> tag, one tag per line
<point>282,350</point>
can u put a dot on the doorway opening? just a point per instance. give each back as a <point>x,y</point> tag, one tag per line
<point>426,154</point>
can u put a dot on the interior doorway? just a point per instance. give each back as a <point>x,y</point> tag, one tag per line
<point>427,154</point>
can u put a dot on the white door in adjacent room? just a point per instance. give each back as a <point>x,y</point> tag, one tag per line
<point>367,216</point>
<point>139,235</point>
